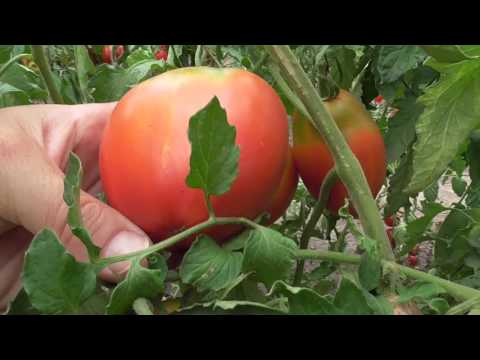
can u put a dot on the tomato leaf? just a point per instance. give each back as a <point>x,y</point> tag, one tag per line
<point>269,254</point>
<point>109,83</point>
<point>214,157</point>
<point>439,305</point>
<point>11,96</point>
<point>396,60</point>
<point>396,196</point>
<point>54,281</point>
<point>451,113</point>
<point>207,266</point>
<point>84,67</point>
<point>474,237</point>
<point>71,196</point>
<point>369,272</point>
<point>224,307</point>
<point>401,128</point>
<point>351,300</point>
<point>21,77</point>
<point>304,301</point>
<point>422,291</point>
<point>139,55</point>
<point>446,53</point>
<point>459,185</point>
<point>22,305</point>
<point>140,282</point>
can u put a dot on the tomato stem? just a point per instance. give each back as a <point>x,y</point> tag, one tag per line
<point>47,75</point>
<point>347,165</point>
<point>317,211</point>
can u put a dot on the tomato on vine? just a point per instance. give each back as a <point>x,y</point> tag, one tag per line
<point>107,53</point>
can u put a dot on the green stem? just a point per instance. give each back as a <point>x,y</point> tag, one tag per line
<point>347,165</point>
<point>47,75</point>
<point>464,307</point>
<point>11,61</point>
<point>198,55</point>
<point>177,238</point>
<point>317,211</point>
<point>458,291</point>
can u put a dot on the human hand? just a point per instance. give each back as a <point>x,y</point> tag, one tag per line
<point>35,142</point>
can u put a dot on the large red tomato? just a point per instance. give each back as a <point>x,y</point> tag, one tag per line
<point>144,155</point>
<point>285,191</point>
<point>313,159</point>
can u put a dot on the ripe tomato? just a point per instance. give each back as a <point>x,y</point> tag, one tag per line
<point>107,53</point>
<point>389,221</point>
<point>391,238</point>
<point>379,99</point>
<point>312,157</point>
<point>161,55</point>
<point>285,191</point>
<point>412,260</point>
<point>145,152</point>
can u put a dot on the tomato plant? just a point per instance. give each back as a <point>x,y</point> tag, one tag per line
<point>206,139</point>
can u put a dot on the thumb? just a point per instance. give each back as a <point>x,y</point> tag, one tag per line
<point>34,200</point>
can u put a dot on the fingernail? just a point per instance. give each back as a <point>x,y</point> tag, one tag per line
<point>121,244</point>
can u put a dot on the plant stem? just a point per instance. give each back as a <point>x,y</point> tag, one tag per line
<point>347,165</point>
<point>177,238</point>
<point>463,307</point>
<point>458,291</point>
<point>317,211</point>
<point>47,75</point>
<point>11,61</point>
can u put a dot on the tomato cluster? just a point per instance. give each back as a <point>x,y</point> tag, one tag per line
<point>107,53</point>
<point>144,155</point>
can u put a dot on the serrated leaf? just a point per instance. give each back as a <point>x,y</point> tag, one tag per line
<point>423,291</point>
<point>446,53</point>
<point>207,266</point>
<point>269,254</point>
<point>214,156</point>
<point>228,307</point>
<point>369,272</point>
<point>304,301</point>
<point>395,60</point>
<point>351,300</point>
<point>71,196</point>
<point>451,113</point>
<point>54,281</point>
<point>396,196</point>
<point>401,128</point>
<point>140,282</point>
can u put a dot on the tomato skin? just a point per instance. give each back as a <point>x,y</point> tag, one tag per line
<point>412,260</point>
<point>145,152</point>
<point>312,157</point>
<point>285,191</point>
<point>161,55</point>
<point>107,53</point>
<point>389,221</point>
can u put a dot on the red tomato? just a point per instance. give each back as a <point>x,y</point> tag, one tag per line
<point>412,260</point>
<point>285,191</point>
<point>161,55</point>
<point>312,157</point>
<point>107,53</point>
<point>379,99</point>
<point>391,238</point>
<point>389,221</point>
<point>145,152</point>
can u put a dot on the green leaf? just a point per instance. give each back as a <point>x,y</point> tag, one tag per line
<point>351,300</point>
<point>54,281</point>
<point>84,67</point>
<point>365,243</point>
<point>473,158</point>
<point>401,128</point>
<point>17,96</point>
<point>459,185</point>
<point>473,260</point>
<point>28,81</point>
<point>109,83</point>
<point>231,307</point>
<point>451,113</point>
<point>446,53</point>
<point>238,242</point>
<point>396,196</point>
<point>369,272</point>
<point>22,305</point>
<point>71,196</point>
<point>269,254</point>
<point>423,291</point>
<point>207,266</point>
<point>214,157</point>
<point>431,192</point>
<point>439,305</point>
<point>140,282</point>
<point>379,304</point>
<point>304,301</point>
<point>474,237</point>
<point>396,60</point>
<point>139,55</point>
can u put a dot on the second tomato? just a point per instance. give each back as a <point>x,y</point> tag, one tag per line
<point>313,159</point>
